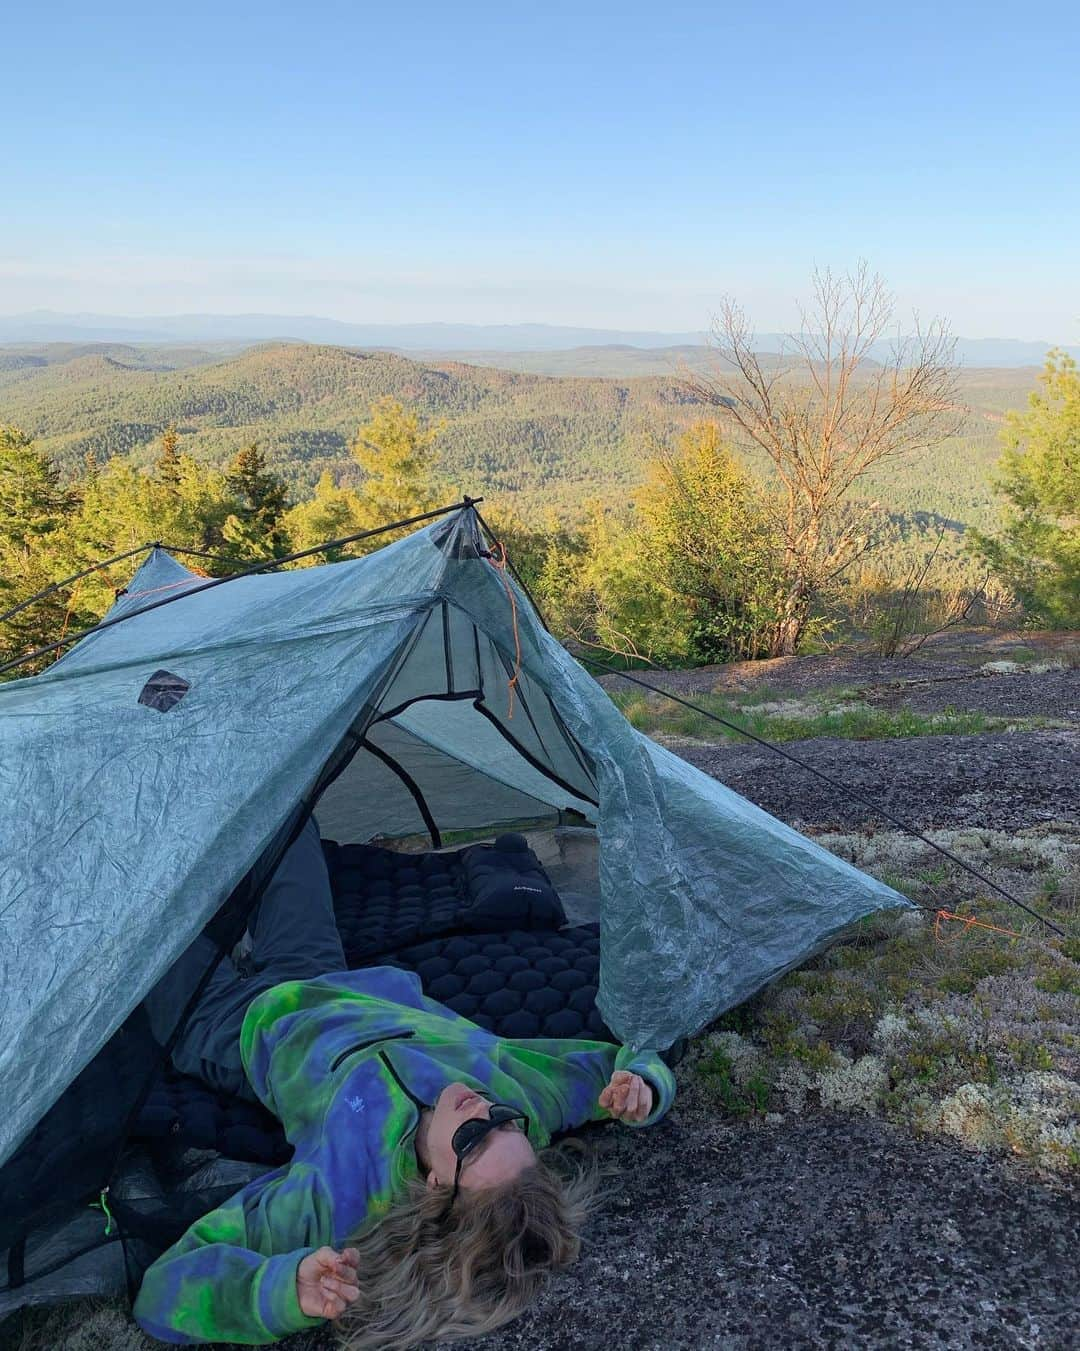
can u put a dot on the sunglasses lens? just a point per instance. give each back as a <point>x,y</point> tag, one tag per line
<point>469,1134</point>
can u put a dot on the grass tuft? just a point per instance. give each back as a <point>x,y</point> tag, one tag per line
<point>827,714</point>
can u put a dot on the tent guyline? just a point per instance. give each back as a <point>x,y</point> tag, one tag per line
<point>75,577</point>
<point>771,746</point>
<point>266,566</point>
<point>108,562</point>
<point>843,788</point>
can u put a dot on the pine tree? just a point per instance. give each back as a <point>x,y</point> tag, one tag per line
<point>261,493</point>
<point>167,466</point>
<point>706,536</point>
<point>396,450</point>
<point>1037,552</point>
<point>332,513</point>
<point>255,529</point>
<point>32,501</point>
<point>34,510</point>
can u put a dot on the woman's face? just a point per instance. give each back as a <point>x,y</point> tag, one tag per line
<point>501,1155</point>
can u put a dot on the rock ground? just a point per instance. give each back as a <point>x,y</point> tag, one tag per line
<point>818,1232</point>
<point>923,684</point>
<point>998,781</point>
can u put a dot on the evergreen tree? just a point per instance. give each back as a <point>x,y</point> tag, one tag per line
<point>1038,550</point>
<point>123,507</point>
<point>332,513</point>
<point>692,573</point>
<point>167,466</point>
<point>597,592</point>
<point>32,500</point>
<point>705,534</point>
<point>261,493</point>
<point>255,530</point>
<point>34,509</point>
<point>396,450</point>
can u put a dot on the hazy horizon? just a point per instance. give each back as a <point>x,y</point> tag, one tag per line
<point>44,327</point>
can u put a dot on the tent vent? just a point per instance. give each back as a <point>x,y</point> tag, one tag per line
<point>164,691</point>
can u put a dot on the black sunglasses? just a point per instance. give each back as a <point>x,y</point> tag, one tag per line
<point>470,1134</point>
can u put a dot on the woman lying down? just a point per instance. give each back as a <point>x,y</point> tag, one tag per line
<point>418,1204</point>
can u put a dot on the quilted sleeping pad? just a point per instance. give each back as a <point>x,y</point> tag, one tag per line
<point>521,976</point>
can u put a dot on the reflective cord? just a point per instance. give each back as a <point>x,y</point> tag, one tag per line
<point>102,1204</point>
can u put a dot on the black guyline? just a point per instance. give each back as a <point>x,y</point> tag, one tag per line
<point>833,783</point>
<point>197,553</point>
<point>108,562</point>
<point>770,746</point>
<point>232,577</point>
<point>75,577</point>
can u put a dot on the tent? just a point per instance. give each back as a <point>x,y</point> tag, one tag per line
<point>156,771</point>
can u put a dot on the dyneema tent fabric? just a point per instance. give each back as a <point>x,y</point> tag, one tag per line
<point>145,774</point>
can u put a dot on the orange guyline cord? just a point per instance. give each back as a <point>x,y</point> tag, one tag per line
<point>500,563</point>
<point>969,922</point>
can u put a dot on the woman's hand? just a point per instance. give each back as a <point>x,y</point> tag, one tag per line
<point>326,1282</point>
<point>627,1097</point>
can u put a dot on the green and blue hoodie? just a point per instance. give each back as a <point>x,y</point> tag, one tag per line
<point>346,1062</point>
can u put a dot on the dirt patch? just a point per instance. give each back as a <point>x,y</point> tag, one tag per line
<point>1054,694</point>
<point>980,645</point>
<point>1003,781</point>
<point>794,675</point>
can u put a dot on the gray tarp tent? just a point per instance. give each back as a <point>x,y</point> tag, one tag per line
<point>143,774</point>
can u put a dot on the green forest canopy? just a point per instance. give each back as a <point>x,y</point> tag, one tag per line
<point>589,476</point>
<point>526,440</point>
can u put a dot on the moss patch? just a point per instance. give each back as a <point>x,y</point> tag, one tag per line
<point>954,1030</point>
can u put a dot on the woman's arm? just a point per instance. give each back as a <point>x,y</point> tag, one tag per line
<point>564,1080</point>
<point>233,1275</point>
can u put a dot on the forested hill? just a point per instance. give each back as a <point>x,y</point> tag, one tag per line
<point>544,439</point>
<point>505,432</point>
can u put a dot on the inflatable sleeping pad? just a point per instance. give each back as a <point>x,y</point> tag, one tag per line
<point>482,927</point>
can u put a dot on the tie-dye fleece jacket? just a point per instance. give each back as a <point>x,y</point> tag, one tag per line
<point>346,1062</point>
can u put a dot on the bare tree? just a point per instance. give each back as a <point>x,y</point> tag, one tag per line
<point>824,413</point>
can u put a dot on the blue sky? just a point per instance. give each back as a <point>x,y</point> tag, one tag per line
<point>602,164</point>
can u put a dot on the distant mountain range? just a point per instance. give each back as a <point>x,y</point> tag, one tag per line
<point>47,326</point>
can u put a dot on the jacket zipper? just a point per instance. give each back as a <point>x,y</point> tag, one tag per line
<point>371,1041</point>
<point>420,1106</point>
